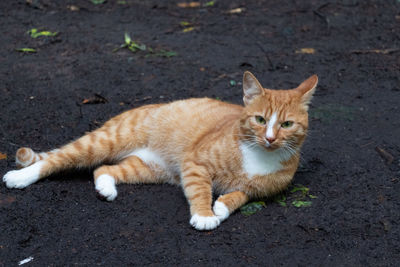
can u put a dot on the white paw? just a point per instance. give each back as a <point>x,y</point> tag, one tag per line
<point>204,222</point>
<point>105,185</point>
<point>221,210</point>
<point>24,177</point>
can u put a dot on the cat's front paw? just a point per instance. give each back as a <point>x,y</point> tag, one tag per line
<point>204,222</point>
<point>105,186</point>
<point>221,210</point>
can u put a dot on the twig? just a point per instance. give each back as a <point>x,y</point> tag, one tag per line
<point>272,66</point>
<point>385,155</point>
<point>376,51</point>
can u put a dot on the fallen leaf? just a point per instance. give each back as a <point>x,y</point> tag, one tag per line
<point>189,4</point>
<point>98,2</point>
<point>185,23</point>
<point>298,187</point>
<point>26,50</point>
<point>305,51</point>
<point>210,3</point>
<point>300,203</point>
<point>281,200</point>
<point>96,99</point>
<point>251,208</point>
<point>34,33</point>
<point>189,29</point>
<point>73,8</point>
<point>3,156</point>
<point>236,10</point>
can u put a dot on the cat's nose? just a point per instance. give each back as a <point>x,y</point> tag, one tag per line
<point>271,139</point>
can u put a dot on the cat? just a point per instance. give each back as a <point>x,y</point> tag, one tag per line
<point>204,145</point>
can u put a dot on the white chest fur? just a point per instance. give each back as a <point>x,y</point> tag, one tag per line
<point>258,161</point>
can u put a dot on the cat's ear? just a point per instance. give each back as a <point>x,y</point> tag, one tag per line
<point>307,89</point>
<point>251,88</point>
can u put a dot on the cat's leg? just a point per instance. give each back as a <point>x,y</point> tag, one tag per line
<point>228,203</point>
<point>130,170</point>
<point>89,150</point>
<point>197,185</point>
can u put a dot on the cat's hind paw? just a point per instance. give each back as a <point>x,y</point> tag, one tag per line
<point>105,186</point>
<point>221,210</point>
<point>204,222</point>
<point>24,177</point>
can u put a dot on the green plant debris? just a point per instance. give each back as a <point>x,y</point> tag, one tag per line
<point>188,29</point>
<point>300,199</point>
<point>26,50</point>
<point>165,53</point>
<point>301,203</point>
<point>131,45</point>
<point>232,82</point>
<point>331,112</point>
<point>185,23</point>
<point>34,33</point>
<point>98,2</point>
<point>298,187</point>
<point>251,208</point>
<point>280,199</point>
<point>137,47</point>
<point>210,3</point>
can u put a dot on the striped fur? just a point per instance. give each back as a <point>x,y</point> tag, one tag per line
<point>204,145</point>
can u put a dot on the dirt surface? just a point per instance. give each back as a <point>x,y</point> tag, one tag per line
<point>350,162</point>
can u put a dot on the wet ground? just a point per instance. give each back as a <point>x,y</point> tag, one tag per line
<point>350,162</point>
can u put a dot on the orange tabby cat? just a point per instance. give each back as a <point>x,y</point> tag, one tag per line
<point>202,144</point>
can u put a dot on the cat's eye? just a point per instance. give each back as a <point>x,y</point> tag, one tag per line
<point>260,120</point>
<point>287,124</point>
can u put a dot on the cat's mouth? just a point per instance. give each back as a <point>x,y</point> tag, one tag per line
<point>271,147</point>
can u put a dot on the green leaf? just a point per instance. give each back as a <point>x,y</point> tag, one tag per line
<point>300,188</point>
<point>300,203</point>
<point>26,50</point>
<point>281,200</point>
<point>141,47</point>
<point>35,34</point>
<point>97,2</point>
<point>127,39</point>
<point>132,48</point>
<point>165,53</point>
<point>184,23</point>
<point>311,196</point>
<point>232,82</point>
<point>251,208</point>
<point>210,3</point>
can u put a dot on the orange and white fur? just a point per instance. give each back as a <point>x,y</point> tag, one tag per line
<point>204,145</point>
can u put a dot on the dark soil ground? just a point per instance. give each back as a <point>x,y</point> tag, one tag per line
<point>351,160</point>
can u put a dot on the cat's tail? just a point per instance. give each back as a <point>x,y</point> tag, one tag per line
<point>25,156</point>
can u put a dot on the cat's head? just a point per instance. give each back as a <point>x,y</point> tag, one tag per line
<point>275,118</point>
